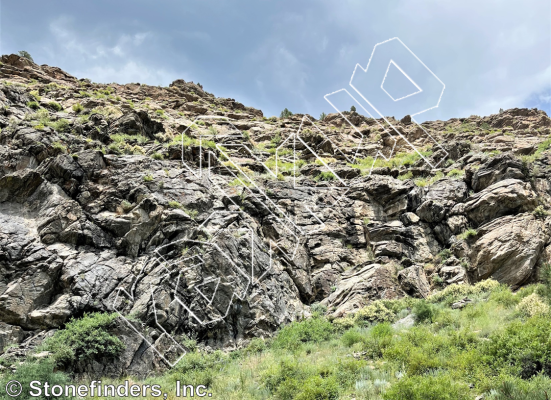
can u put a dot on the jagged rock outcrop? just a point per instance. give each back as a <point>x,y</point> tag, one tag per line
<point>197,217</point>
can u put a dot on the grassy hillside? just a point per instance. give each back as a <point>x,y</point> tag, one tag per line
<point>499,345</point>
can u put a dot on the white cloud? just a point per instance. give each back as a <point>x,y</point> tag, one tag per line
<point>104,59</point>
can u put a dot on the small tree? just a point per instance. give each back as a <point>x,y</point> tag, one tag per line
<point>322,116</point>
<point>352,109</point>
<point>285,113</point>
<point>26,55</point>
<point>501,110</point>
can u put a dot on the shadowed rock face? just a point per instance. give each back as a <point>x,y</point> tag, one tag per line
<point>106,206</point>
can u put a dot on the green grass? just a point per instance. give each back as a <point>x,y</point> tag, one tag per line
<point>33,105</point>
<point>423,182</point>
<point>456,173</point>
<point>470,232</point>
<point>174,204</point>
<point>122,138</point>
<point>325,176</point>
<point>59,147</point>
<point>398,161</point>
<point>55,106</point>
<point>77,108</point>
<point>491,344</point>
<point>543,146</point>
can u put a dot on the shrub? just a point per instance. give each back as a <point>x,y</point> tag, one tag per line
<point>198,361</point>
<point>315,329</point>
<point>504,296</point>
<point>318,388</point>
<point>344,323</point>
<point>85,339</point>
<point>427,387</point>
<point>33,104</point>
<point>148,178</point>
<point>380,337</point>
<point>375,312</point>
<point>455,290</point>
<point>325,176</point>
<point>256,345</point>
<point>59,147</point>
<point>540,212</point>
<point>26,55</point>
<point>470,232</point>
<point>424,312</point>
<point>55,106</point>
<point>353,336</point>
<point>61,125</point>
<point>174,204</point>
<point>157,156</point>
<point>444,255</point>
<point>523,348</point>
<point>456,173</point>
<point>352,109</point>
<point>285,113</point>
<point>35,94</point>
<point>42,371</point>
<point>532,305</point>
<point>318,308</point>
<point>77,107</point>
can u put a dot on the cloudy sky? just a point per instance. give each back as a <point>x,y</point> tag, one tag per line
<point>490,54</point>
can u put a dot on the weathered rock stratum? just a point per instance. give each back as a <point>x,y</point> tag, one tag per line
<point>194,216</point>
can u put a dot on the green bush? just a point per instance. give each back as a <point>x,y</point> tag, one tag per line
<point>77,108</point>
<point>353,336</point>
<point>427,387</point>
<point>318,388</point>
<point>198,361</point>
<point>174,204</point>
<point>318,308</point>
<point>455,290</point>
<point>61,125</point>
<point>523,348</point>
<point>285,113</point>
<point>533,305</point>
<point>85,339</point>
<point>33,104</point>
<point>424,312</point>
<point>380,337</point>
<point>25,54</point>
<point>540,212</point>
<point>42,371</point>
<point>470,232</point>
<point>375,312</point>
<point>316,329</point>
<point>504,296</point>
<point>325,176</point>
<point>55,106</point>
<point>256,345</point>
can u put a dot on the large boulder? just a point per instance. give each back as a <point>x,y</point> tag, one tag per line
<point>509,196</point>
<point>507,249</point>
<point>414,281</point>
<point>360,285</point>
<point>498,168</point>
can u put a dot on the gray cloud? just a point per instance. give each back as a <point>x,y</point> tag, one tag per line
<point>271,55</point>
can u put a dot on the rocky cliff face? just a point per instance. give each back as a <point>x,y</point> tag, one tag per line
<point>195,216</point>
